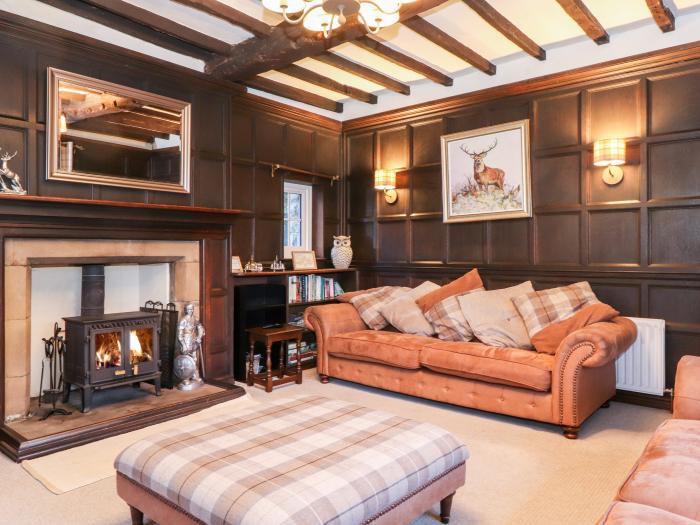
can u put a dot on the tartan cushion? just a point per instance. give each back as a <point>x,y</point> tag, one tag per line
<point>299,461</point>
<point>369,305</point>
<point>448,320</point>
<point>540,309</point>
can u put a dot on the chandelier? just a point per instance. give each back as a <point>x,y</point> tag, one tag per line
<point>327,15</point>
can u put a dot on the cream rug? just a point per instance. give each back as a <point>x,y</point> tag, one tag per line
<point>519,472</point>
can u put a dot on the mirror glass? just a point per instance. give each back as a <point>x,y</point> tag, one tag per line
<point>103,133</point>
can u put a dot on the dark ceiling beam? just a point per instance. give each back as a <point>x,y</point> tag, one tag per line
<point>438,36</point>
<point>578,11</point>
<point>287,44</point>
<point>292,93</point>
<point>662,15</point>
<point>228,13</point>
<point>364,72</point>
<point>402,60</point>
<point>328,83</point>
<point>123,25</point>
<point>162,24</point>
<point>506,28</point>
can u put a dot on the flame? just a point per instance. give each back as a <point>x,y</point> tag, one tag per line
<point>138,355</point>
<point>109,352</point>
<point>135,344</point>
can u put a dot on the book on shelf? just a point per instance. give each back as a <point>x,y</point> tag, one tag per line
<point>312,288</point>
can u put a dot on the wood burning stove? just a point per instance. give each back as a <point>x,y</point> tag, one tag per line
<point>108,350</point>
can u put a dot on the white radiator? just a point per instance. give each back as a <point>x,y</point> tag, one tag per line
<point>642,367</point>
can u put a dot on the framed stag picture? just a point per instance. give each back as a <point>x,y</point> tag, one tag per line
<point>486,173</point>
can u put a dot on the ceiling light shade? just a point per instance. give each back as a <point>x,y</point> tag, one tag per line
<point>282,6</point>
<point>319,20</point>
<point>609,152</point>
<point>384,179</point>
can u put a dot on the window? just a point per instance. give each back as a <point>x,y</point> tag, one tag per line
<point>297,218</point>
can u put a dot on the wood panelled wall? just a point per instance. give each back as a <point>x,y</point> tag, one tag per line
<point>638,243</point>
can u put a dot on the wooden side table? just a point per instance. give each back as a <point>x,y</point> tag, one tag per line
<point>268,336</point>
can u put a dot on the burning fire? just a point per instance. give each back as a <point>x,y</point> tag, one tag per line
<point>109,350</point>
<point>137,353</point>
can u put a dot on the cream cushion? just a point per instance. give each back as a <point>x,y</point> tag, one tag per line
<point>494,319</point>
<point>405,315</point>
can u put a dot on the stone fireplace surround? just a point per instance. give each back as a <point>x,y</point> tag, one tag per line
<point>22,254</point>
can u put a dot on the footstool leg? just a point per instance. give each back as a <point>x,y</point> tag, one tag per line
<point>445,508</point>
<point>268,364</point>
<point>251,356</point>
<point>136,516</point>
<point>299,376</point>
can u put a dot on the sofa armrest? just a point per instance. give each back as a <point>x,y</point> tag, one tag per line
<point>686,394</point>
<point>605,342</point>
<point>328,320</point>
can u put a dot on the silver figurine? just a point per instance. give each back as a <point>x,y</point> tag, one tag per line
<point>9,180</point>
<point>189,333</point>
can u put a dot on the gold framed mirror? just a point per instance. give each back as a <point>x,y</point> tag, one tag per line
<point>103,133</point>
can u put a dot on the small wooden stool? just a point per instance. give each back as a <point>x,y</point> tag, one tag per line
<point>268,336</point>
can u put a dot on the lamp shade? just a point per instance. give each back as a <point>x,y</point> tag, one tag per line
<point>609,152</point>
<point>384,179</point>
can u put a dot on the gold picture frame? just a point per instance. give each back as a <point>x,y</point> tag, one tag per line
<point>486,173</point>
<point>302,260</point>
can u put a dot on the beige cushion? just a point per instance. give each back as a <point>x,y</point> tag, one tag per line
<point>368,305</point>
<point>542,308</point>
<point>448,321</point>
<point>493,317</point>
<point>423,289</point>
<point>406,316</point>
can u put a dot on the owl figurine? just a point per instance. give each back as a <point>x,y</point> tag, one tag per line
<point>341,252</point>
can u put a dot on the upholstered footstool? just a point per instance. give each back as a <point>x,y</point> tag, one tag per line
<point>300,461</point>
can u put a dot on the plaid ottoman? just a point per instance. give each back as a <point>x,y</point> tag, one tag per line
<point>301,461</point>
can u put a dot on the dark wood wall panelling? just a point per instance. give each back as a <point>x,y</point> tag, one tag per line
<point>638,243</point>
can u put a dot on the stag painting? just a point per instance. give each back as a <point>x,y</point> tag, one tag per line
<point>485,176</point>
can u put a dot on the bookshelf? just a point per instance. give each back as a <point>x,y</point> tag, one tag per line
<point>274,297</point>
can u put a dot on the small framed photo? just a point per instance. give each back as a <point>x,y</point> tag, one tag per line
<point>236,266</point>
<point>304,260</point>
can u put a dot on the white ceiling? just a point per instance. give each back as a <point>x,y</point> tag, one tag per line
<point>629,23</point>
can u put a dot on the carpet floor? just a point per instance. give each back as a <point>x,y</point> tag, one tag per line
<point>520,472</point>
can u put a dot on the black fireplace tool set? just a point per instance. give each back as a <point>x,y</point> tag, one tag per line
<point>54,349</point>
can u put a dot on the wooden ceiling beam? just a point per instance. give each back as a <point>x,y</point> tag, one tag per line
<point>403,60</point>
<point>292,93</point>
<point>438,36</point>
<point>128,27</point>
<point>364,72</point>
<point>328,83</point>
<point>506,28</point>
<point>662,15</point>
<point>228,13</point>
<point>578,11</point>
<point>162,24</point>
<point>287,43</point>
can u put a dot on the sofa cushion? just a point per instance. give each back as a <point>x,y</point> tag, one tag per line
<point>406,316</point>
<point>667,474</point>
<point>506,366</point>
<point>469,281</point>
<point>390,348</point>
<point>623,513</point>
<point>448,321</point>
<point>368,305</point>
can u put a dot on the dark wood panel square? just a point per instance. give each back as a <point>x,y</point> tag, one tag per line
<point>242,238</point>
<point>268,239</point>
<point>614,237</point>
<point>510,241</point>
<point>674,169</point>
<point>556,180</point>
<point>674,303</point>
<point>330,228</point>
<point>675,236</point>
<point>625,298</point>
<point>504,111</point>
<point>615,111</point>
<point>242,135</point>
<point>476,118</point>
<point>210,183</point>
<point>218,319</point>
<point>426,142</point>
<point>242,184</point>
<point>13,95</point>
<point>361,196</point>
<point>269,140</point>
<point>209,114</point>
<point>556,121</point>
<point>216,261</point>
<point>674,103</point>
<point>360,154</point>
<point>466,242</point>
<point>427,241</point>
<point>392,145</point>
<point>268,192</point>
<point>557,238</point>
<point>362,234</point>
<point>331,206</point>
<point>679,344</point>
<point>327,152</point>
<point>300,148</point>
<point>391,241</point>
<point>426,192</point>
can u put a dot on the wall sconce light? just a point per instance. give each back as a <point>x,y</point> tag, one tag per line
<point>386,180</point>
<point>611,154</point>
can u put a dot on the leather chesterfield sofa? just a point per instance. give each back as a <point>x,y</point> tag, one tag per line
<point>562,389</point>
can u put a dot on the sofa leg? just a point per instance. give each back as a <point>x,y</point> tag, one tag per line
<point>445,508</point>
<point>571,432</point>
<point>136,516</point>
<point>324,379</point>
<point>605,405</point>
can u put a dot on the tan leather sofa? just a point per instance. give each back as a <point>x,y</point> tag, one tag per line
<point>563,389</point>
<point>664,485</point>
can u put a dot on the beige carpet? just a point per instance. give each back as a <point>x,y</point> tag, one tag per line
<point>519,472</point>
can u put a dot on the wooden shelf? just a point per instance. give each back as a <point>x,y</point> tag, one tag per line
<point>293,272</point>
<point>311,303</point>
